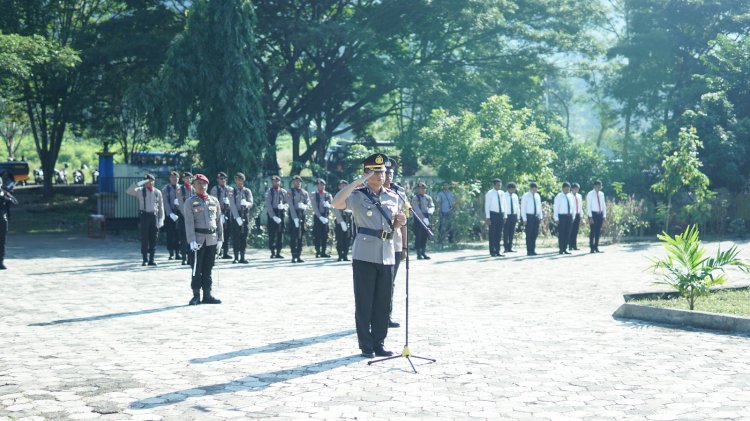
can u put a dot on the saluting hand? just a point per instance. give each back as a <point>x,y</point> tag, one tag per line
<point>361,180</point>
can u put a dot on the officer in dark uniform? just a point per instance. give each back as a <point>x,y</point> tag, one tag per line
<point>297,200</point>
<point>223,192</point>
<point>6,199</point>
<point>375,210</point>
<point>275,201</point>
<point>240,204</point>
<point>343,228</point>
<point>205,235</point>
<point>321,204</point>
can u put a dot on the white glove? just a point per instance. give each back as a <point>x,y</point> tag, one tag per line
<point>226,200</point>
<point>344,227</point>
<point>239,221</point>
<point>327,204</point>
<point>222,218</point>
<point>176,201</point>
<point>194,246</point>
<point>142,182</point>
<point>323,219</point>
<point>280,206</point>
<point>426,221</point>
<point>347,211</point>
<point>296,222</point>
<point>219,244</point>
<point>277,219</point>
<point>159,224</point>
<point>244,203</point>
<point>430,211</point>
<point>301,206</point>
<point>173,216</point>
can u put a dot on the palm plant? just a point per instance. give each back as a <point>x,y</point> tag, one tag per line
<point>687,269</point>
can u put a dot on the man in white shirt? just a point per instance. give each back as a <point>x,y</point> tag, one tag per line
<point>563,215</point>
<point>531,215</point>
<point>513,208</point>
<point>493,211</point>
<point>577,214</point>
<point>597,212</point>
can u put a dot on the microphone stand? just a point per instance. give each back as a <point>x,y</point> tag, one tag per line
<point>406,353</point>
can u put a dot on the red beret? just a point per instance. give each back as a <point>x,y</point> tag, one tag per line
<point>201,177</point>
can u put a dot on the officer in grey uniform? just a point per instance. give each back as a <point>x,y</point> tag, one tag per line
<point>321,204</point>
<point>184,192</point>
<point>151,213</point>
<point>205,235</point>
<point>173,212</point>
<point>343,228</point>
<point>223,192</point>
<point>240,204</point>
<point>275,201</point>
<point>298,201</point>
<point>376,214</point>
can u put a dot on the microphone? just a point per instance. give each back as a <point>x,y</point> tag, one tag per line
<point>397,187</point>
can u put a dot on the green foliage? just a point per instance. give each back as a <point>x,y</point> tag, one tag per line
<point>625,216</point>
<point>687,269</point>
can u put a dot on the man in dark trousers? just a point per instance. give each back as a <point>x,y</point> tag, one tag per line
<point>6,199</point>
<point>151,213</point>
<point>240,204</point>
<point>173,211</point>
<point>597,212</point>
<point>563,215</point>
<point>493,212</point>
<point>321,204</point>
<point>513,208</point>
<point>376,215</point>
<point>577,214</point>
<point>298,201</point>
<point>205,235</point>
<point>275,202</point>
<point>223,192</point>
<point>343,228</point>
<point>531,215</point>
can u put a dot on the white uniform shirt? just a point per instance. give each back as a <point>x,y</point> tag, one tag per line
<point>594,205</point>
<point>527,205</point>
<point>511,206</point>
<point>492,202</point>
<point>564,205</point>
<point>577,204</point>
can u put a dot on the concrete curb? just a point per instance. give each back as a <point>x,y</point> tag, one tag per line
<point>684,318</point>
<point>666,295</point>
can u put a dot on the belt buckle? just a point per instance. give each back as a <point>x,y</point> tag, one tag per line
<point>383,235</point>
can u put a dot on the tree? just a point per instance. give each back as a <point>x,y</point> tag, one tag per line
<point>14,126</point>
<point>210,79</point>
<point>681,168</point>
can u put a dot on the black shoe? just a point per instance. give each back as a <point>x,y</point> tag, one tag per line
<point>341,258</point>
<point>499,255</point>
<point>599,251</point>
<point>419,257</point>
<point>575,248</point>
<point>325,255</point>
<point>273,256</point>
<point>299,260</point>
<point>426,257</point>
<point>144,263</point>
<point>209,299</point>
<point>171,257</point>
<point>278,256</point>
<point>511,251</point>
<point>367,353</point>
<point>346,259</point>
<point>2,266</point>
<point>561,252</point>
<point>151,263</point>
<point>234,261</point>
<point>391,323</point>
<point>184,262</point>
<point>566,252</point>
<point>195,301</point>
<point>592,251</point>
<point>382,352</point>
<point>243,261</point>
<point>317,255</point>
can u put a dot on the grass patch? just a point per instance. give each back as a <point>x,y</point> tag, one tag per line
<point>733,302</point>
<point>63,215</point>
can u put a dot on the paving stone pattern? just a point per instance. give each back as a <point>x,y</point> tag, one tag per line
<point>87,333</point>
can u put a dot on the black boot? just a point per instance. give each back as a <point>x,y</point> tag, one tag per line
<point>2,266</point>
<point>171,255</point>
<point>145,259</point>
<point>196,298</point>
<point>209,299</point>
<point>151,260</point>
<point>242,257</point>
<point>235,257</point>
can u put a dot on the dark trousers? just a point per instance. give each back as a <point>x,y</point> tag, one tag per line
<point>573,242</point>
<point>532,232</point>
<point>399,255</point>
<point>149,232</point>
<point>446,225</point>
<point>204,258</point>
<point>239,236</point>
<point>275,235</point>
<point>343,240</point>
<point>184,246</point>
<point>496,232</point>
<point>296,234</point>
<point>596,230</point>
<point>173,237</point>
<point>227,228</point>
<point>3,233</point>
<point>420,237</point>
<point>509,230</point>
<point>563,231</point>
<point>372,293</point>
<point>320,236</point>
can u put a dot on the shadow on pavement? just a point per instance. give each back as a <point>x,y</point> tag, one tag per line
<point>250,383</point>
<point>274,347</point>
<point>107,316</point>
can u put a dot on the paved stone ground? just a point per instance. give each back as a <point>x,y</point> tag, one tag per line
<point>86,333</point>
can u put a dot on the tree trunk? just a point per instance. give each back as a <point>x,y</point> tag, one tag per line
<point>270,161</point>
<point>669,211</point>
<point>296,163</point>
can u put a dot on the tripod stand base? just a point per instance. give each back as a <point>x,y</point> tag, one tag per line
<point>406,353</point>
